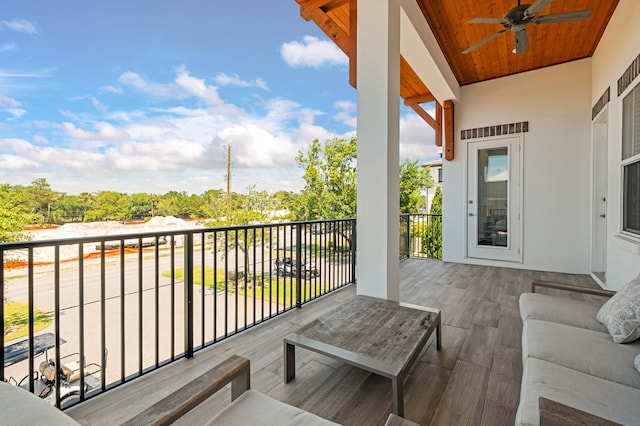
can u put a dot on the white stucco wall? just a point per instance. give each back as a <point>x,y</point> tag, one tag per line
<point>556,101</point>
<point>619,45</point>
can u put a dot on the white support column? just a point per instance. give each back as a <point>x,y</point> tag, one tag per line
<point>378,76</point>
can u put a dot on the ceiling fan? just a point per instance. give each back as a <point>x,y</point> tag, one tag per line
<point>517,18</point>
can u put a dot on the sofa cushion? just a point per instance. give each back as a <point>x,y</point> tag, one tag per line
<point>621,313</point>
<point>561,310</point>
<point>19,407</point>
<point>588,351</point>
<point>254,408</point>
<point>610,400</point>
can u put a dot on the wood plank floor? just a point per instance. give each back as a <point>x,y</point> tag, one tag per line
<point>473,380</point>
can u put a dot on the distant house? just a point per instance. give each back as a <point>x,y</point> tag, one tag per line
<point>436,175</point>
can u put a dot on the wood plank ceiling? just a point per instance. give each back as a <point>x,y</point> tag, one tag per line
<point>550,44</point>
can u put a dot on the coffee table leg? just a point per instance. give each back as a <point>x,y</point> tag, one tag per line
<point>289,362</point>
<point>438,337</point>
<point>398,396</point>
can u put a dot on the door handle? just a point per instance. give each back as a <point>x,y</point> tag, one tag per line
<point>603,215</point>
<point>472,214</point>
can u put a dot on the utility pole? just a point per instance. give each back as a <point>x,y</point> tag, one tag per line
<point>229,181</point>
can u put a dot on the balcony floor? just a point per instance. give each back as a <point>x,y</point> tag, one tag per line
<point>473,380</point>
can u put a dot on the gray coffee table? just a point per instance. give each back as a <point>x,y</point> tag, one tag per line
<point>376,335</point>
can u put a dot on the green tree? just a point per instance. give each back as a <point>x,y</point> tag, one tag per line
<point>248,208</point>
<point>413,180</point>
<point>432,239</point>
<point>12,224</point>
<point>110,205</point>
<point>41,198</point>
<point>330,180</point>
<point>68,208</point>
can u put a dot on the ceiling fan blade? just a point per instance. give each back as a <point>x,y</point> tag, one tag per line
<point>500,21</point>
<point>520,38</point>
<point>578,15</point>
<point>535,8</point>
<point>486,40</point>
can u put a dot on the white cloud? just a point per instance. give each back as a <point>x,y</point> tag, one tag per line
<point>347,113</point>
<point>8,47</point>
<point>197,87</point>
<point>234,80</point>
<point>15,163</point>
<point>136,81</point>
<point>112,89</point>
<point>21,26</point>
<point>254,147</point>
<point>184,86</point>
<point>417,138</point>
<point>103,131</point>
<point>10,102</point>
<point>98,105</point>
<point>17,112</point>
<point>313,53</point>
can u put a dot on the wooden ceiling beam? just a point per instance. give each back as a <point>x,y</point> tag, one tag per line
<point>419,99</point>
<point>330,28</point>
<point>424,114</point>
<point>449,152</point>
<point>307,8</point>
<point>438,124</point>
<point>353,43</point>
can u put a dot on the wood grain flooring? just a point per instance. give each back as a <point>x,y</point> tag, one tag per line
<point>473,380</point>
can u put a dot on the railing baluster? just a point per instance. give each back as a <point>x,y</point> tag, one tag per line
<point>156,279</point>
<point>188,292</point>
<point>31,301</point>
<point>123,294</point>
<point>56,310</point>
<point>140,307</point>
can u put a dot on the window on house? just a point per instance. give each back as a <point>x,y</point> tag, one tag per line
<point>440,174</point>
<point>631,162</point>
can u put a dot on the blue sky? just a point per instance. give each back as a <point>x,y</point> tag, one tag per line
<point>145,95</point>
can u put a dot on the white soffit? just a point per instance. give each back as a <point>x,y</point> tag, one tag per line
<point>419,47</point>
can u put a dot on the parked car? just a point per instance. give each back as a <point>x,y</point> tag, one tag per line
<point>286,266</point>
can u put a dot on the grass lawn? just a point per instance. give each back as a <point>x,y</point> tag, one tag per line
<point>280,288</point>
<point>16,320</point>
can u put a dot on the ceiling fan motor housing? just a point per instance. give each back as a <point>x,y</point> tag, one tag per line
<point>516,16</point>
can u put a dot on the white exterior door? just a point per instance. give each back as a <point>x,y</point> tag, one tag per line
<point>599,217</point>
<point>494,200</point>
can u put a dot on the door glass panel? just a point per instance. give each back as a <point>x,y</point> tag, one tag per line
<point>493,197</point>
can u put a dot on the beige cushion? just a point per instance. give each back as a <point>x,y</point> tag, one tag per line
<point>561,310</point>
<point>19,407</point>
<point>621,313</point>
<point>610,400</point>
<point>588,351</point>
<point>253,408</point>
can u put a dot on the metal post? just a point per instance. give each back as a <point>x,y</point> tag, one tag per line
<point>299,264</point>
<point>188,292</point>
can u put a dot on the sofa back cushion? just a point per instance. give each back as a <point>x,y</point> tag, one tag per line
<point>621,313</point>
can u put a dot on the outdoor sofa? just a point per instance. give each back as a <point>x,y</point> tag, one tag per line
<point>581,360</point>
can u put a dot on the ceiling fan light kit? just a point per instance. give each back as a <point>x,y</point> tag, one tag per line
<point>517,18</point>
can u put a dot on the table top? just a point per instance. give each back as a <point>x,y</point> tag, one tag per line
<point>380,329</point>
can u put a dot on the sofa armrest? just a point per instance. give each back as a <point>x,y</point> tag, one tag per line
<point>234,370</point>
<point>571,287</point>
<point>553,413</point>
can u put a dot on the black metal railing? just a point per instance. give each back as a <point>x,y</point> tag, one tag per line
<point>118,306</point>
<point>421,236</point>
